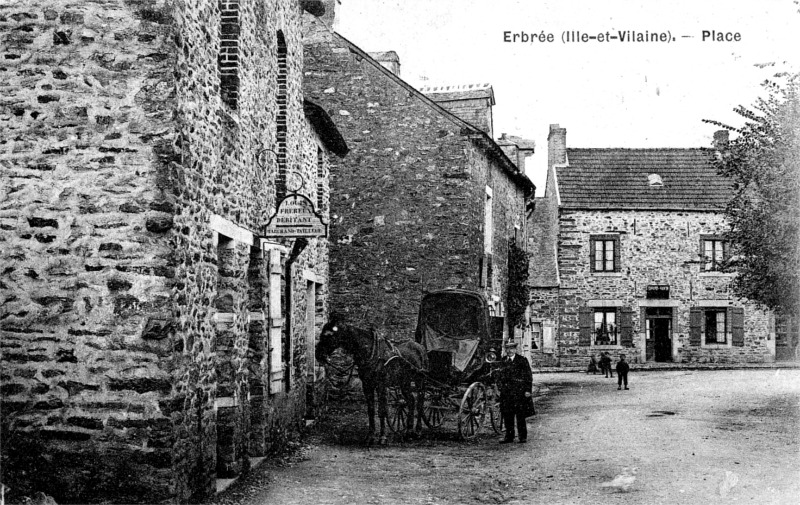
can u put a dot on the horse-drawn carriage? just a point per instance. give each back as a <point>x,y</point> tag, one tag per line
<point>450,365</point>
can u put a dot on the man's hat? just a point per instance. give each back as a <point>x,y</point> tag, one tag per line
<point>510,344</point>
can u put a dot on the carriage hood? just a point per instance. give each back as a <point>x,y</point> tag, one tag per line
<point>454,321</point>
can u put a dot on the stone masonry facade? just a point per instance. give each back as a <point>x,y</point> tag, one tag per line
<point>409,201</point>
<point>147,347</point>
<point>656,248</point>
<point>663,300</point>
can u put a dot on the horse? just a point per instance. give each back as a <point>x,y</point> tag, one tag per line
<point>381,364</point>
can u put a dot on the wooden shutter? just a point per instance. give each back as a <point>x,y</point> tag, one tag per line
<point>737,325</point>
<point>617,255</point>
<point>276,373</point>
<point>586,325</point>
<point>695,326</point>
<point>592,249</point>
<point>626,327</point>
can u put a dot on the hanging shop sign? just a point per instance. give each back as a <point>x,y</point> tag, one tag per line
<point>295,217</point>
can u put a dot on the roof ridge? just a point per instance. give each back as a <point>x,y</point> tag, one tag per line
<point>641,148</point>
<point>449,88</point>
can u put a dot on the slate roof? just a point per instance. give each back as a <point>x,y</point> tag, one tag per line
<point>459,92</point>
<point>618,179</point>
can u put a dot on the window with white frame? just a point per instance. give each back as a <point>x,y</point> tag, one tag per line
<point>715,322</point>
<point>714,252</point>
<point>605,326</point>
<point>536,334</point>
<point>604,253</point>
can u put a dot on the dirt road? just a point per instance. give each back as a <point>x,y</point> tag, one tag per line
<point>693,437</point>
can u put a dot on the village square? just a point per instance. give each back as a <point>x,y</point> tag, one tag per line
<point>224,226</point>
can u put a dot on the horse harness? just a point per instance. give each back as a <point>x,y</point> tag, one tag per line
<point>394,353</point>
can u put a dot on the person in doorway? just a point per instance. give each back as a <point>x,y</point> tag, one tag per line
<point>516,382</point>
<point>605,365</point>
<point>622,372</point>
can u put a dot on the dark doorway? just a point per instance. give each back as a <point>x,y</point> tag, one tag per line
<point>658,322</point>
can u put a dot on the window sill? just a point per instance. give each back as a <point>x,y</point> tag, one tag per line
<point>715,346</point>
<point>606,346</point>
<point>717,274</point>
<point>607,274</point>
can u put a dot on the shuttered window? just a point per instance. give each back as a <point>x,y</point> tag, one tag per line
<point>714,325</point>
<point>605,326</point>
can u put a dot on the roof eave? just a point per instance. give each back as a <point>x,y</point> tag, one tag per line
<point>325,128</point>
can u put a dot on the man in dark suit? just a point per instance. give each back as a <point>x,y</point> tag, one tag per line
<point>515,383</point>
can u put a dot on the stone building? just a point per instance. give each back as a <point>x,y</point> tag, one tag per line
<point>425,200</point>
<point>629,246</point>
<point>153,339</point>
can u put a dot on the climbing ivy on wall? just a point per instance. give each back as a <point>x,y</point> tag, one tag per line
<point>518,289</point>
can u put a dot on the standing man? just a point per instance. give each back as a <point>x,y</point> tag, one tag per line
<point>622,372</point>
<point>515,384</point>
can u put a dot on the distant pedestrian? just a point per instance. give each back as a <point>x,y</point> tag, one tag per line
<point>622,372</point>
<point>592,365</point>
<point>605,365</point>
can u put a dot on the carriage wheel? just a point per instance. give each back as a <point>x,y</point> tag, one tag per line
<point>396,409</point>
<point>493,400</point>
<point>437,405</point>
<point>472,411</point>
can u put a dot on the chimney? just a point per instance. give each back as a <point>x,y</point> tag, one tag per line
<point>556,145</point>
<point>556,155</point>
<point>720,140</point>
<point>522,155</point>
<point>329,18</point>
<point>389,60</point>
<point>471,102</point>
<point>319,18</point>
<point>517,149</point>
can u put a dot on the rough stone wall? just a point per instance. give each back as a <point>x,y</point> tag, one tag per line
<point>508,211</point>
<point>86,214</point>
<point>407,204</point>
<point>656,248</point>
<point>117,151</point>
<point>543,233</point>
<point>475,111</point>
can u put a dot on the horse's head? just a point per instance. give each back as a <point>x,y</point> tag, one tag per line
<point>329,340</point>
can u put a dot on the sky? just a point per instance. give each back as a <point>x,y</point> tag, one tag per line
<point>606,94</point>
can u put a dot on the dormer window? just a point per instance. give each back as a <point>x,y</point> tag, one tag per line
<point>654,181</point>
